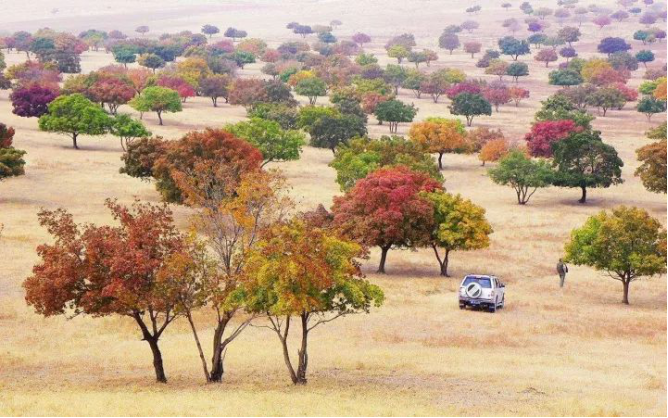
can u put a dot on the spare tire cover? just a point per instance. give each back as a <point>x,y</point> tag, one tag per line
<point>473,290</point>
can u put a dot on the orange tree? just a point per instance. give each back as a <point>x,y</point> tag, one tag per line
<point>441,136</point>
<point>385,209</point>
<point>308,274</point>
<point>109,270</point>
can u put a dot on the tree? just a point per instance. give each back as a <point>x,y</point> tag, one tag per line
<point>472,48</point>
<point>470,105</point>
<point>513,47</point>
<point>215,86</point>
<point>627,243</point>
<point>517,94</point>
<point>547,56</point>
<point>611,45</point>
<point>210,30</point>
<point>645,56</point>
<point>157,99</point>
<point>607,98</point>
<point>496,94</point>
<point>395,112</point>
<point>441,136</point>
<point>126,129</point>
<point>449,41</point>
<point>650,106</point>
<point>559,107</point>
<point>569,34</point>
<point>302,30</point>
<point>543,12</point>
<point>652,171</point>
<point>311,87</point>
<point>398,52</point>
<point>274,143</point>
<point>330,131</point>
<point>386,209</point>
<point>544,134</point>
<point>87,269</point>
<point>522,173</point>
<point>361,38</point>
<point>151,61</point>
<point>11,159</point>
<point>493,150</point>
<point>568,53</point>
<point>235,34</point>
<point>619,15</point>
<point>565,78</point>
<point>517,70</point>
<point>459,224</point>
<point>75,115</point>
<point>497,67</point>
<point>308,273</point>
<point>469,25</point>
<point>601,21</point>
<point>142,29</point>
<point>361,156</point>
<point>112,91</point>
<point>124,54</point>
<point>435,84</point>
<point>33,100</point>
<point>583,160</point>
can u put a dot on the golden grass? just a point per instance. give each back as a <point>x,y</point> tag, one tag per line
<point>572,351</point>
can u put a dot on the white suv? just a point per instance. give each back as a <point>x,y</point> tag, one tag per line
<point>481,290</point>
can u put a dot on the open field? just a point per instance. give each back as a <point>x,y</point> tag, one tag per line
<point>576,351</point>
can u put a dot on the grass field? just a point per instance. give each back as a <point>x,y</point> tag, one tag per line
<point>572,351</point>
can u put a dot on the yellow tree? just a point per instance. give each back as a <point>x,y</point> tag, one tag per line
<point>441,136</point>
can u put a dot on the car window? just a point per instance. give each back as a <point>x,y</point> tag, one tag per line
<point>482,281</point>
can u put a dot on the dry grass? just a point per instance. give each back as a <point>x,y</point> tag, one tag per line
<point>575,351</point>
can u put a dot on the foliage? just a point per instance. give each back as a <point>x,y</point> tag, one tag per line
<point>470,105</point>
<point>522,173</point>
<point>513,47</point>
<point>274,143</point>
<point>33,100</point>
<point>544,134</point>
<point>652,170</point>
<point>157,99</point>
<point>127,129</point>
<point>440,136</point>
<point>331,131</point>
<point>650,106</point>
<point>627,243</point>
<point>395,112</point>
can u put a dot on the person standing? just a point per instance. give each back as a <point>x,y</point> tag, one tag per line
<point>562,269</point>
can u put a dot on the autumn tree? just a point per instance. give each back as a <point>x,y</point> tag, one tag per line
<point>652,170</point>
<point>311,87</point>
<point>626,243</point>
<point>385,209</point>
<point>309,274</point>
<point>493,150</point>
<point>75,115</point>
<point>459,225</point>
<point>607,98</point>
<point>583,160</point>
<point>470,105</point>
<point>547,56</point>
<point>497,94</point>
<point>111,91</point>
<point>544,134</point>
<point>33,100</point>
<point>472,47</point>
<point>157,99</point>
<point>274,143</point>
<point>361,156</point>
<point>497,67</point>
<point>517,94</point>
<point>441,136</point>
<point>522,173</point>
<point>109,270</point>
<point>449,41</point>
<point>361,38</point>
<point>11,159</point>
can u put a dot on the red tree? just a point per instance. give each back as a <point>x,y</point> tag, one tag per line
<point>385,209</point>
<point>112,91</point>
<point>497,94</point>
<point>177,84</point>
<point>465,87</point>
<point>33,101</point>
<point>544,134</point>
<point>109,270</point>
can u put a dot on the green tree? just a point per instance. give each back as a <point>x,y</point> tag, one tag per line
<point>361,156</point>
<point>522,173</point>
<point>517,70</point>
<point>124,54</point>
<point>564,78</point>
<point>312,88</point>
<point>75,115</point>
<point>559,107</point>
<point>395,112</point>
<point>11,162</point>
<point>151,61</point>
<point>459,224</point>
<point>583,160</point>
<point>157,99</point>
<point>513,47</point>
<point>274,143</point>
<point>650,106</point>
<point>330,131</point>
<point>627,244</point>
<point>126,128</point>
<point>470,105</point>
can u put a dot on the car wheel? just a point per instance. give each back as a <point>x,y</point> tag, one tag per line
<point>503,302</point>
<point>492,308</point>
<point>462,306</point>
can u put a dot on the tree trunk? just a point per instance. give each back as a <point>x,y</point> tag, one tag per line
<point>160,376</point>
<point>159,118</point>
<point>74,141</point>
<point>215,101</point>
<point>303,354</point>
<point>443,263</point>
<point>286,353</point>
<point>440,162</point>
<point>383,258</point>
<point>626,284</point>
<point>199,346</point>
<point>217,369</point>
<point>583,199</point>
